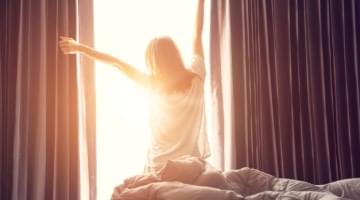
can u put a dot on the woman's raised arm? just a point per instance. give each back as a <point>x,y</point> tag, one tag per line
<point>70,46</point>
<point>197,40</point>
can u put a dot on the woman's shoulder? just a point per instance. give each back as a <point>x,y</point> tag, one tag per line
<point>197,66</point>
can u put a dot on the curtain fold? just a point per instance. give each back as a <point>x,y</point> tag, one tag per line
<point>40,126</point>
<point>87,99</point>
<point>222,122</point>
<point>8,48</point>
<point>296,90</point>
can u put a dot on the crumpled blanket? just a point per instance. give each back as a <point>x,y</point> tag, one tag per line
<point>191,178</point>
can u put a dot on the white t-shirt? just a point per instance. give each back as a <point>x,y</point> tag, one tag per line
<point>178,122</point>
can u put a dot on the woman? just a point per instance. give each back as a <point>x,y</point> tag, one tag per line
<point>177,104</point>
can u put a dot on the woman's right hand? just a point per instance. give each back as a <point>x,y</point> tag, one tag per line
<point>69,45</point>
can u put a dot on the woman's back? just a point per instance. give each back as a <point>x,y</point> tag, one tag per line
<point>178,122</point>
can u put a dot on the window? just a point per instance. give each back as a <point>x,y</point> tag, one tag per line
<point>123,29</point>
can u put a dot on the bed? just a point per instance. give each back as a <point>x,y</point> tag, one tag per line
<point>191,178</point>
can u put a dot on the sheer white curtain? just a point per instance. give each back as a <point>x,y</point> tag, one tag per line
<point>221,83</point>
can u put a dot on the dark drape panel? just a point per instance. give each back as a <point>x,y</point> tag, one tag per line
<point>8,48</point>
<point>296,86</point>
<point>39,101</point>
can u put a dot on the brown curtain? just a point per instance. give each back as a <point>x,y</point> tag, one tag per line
<point>295,85</point>
<point>40,126</point>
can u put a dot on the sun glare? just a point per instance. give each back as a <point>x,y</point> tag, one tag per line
<point>123,29</point>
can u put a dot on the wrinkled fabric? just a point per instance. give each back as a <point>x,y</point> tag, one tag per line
<point>244,183</point>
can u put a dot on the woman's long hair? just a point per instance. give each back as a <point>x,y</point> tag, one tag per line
<point>165,63</point>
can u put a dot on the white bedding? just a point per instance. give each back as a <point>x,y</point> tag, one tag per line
<point>190,178</point>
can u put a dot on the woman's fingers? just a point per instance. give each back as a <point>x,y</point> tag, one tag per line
<point>68,45</point>
<point>67,50</point>
<point>64,43</point>
<point>65,38</point>
<point>68,42</point>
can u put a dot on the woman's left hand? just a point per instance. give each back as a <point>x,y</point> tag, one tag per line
<point>69,45</point>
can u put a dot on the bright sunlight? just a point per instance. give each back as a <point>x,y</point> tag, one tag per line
<point>123,29</point>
